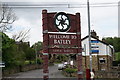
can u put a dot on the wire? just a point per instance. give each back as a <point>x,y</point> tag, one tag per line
<point>60,5</point>
<point>68,6</point>
<point>94,6</point>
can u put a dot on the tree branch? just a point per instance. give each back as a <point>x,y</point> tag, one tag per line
<point>7,17</point>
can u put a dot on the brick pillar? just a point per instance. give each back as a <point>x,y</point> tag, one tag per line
<point>80,73</point>
<point>79,56</point>
<point>45,66</point>
<point>45,44</point>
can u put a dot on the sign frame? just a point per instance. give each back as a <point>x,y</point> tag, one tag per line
<point>49,28</point>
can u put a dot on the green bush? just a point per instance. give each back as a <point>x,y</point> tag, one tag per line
<point>32,62</point>
<point>70,70</point>
<point>39,61</point>
<point>57,61</point>
<point>27,62</point>
<point>117,56</point>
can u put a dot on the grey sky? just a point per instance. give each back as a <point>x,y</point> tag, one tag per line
<point>104,20</point>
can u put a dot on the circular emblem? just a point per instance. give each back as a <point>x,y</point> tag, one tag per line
<point>62,22</point>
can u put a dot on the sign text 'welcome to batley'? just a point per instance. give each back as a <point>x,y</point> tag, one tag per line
<point>62,43</point>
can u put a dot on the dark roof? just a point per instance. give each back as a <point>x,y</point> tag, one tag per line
<point>96,39</point>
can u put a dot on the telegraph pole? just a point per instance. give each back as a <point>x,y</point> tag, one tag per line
<point>90,52</point>
<point>36,54</point>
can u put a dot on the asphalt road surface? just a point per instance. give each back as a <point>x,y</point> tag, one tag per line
<point>53,73</point>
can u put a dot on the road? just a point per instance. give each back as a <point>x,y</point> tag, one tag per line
<point>53,73</point>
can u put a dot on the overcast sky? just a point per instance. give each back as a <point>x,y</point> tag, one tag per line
<point>103,13</point>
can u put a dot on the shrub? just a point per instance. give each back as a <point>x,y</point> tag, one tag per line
<point>32,62</point>
<point>27,62</point>
<point>70,70</point>
<point>39,61</point>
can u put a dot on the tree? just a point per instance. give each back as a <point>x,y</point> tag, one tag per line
<point>21,36</point>
<point>11,54</point>
<point>7,17</point>
<point>115,42</point>
<point>28,51</point>
<point>109,40</point>
<point>38,46</point>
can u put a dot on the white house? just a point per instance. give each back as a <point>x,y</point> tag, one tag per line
<point>102,53</point>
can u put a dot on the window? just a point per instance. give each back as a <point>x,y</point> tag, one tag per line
<point>102,60</point>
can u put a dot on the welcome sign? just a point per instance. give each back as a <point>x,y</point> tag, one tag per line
<point>61,33</point>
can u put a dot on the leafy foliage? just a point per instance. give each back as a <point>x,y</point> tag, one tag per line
<point>16,53</point>
<point>117,55</point>
<point>38,46</point>
<point>29,52</point>
<point>39,61</point>
<point>70,70</point>
<point>115,42</point>
<point>10,53</point>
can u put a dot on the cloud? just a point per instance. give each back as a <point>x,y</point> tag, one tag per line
<point>59,1</point>
<point>102,18</point>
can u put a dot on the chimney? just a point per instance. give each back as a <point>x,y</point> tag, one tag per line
<point>94,34</point>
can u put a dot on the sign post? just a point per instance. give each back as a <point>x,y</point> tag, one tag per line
<point>61,35</point>
<point>45,45</point>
